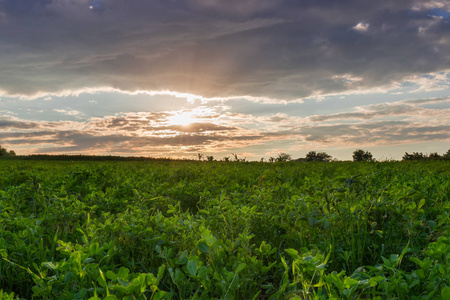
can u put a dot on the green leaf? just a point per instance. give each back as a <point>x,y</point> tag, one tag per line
<point>81,294</point>
<point>421,203</point>
<point>183,258</point>
<point>111,275</point>
<point>445,293</point>
<point>349,282</point>
<point>411,205</point>
<point>293,253</point>
<point>137,285</point>
<point>49,265</point>
<point>179,277</point>
<point>101,279</point>
<point>241,267</point>
<point>192,267</point>
<point>122,282</point>
<point>375,280</point>
<point>203,273</point>
<point>151,279</point>
<point>161,271</point>
<point>4,253</point>
<point>203,247</point>
<point>207,236</point>
<point>159,295</point>
<point>393,257</point>
<point>123,273</point>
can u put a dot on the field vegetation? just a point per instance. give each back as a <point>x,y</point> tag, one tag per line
<point>224,230</point>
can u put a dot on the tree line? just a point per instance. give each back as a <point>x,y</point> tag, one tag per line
<point>359,155</point>
<point>362,155</point>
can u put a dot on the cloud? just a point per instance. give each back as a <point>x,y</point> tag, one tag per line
<point>268,49</point>
<point>426,100</point>
<point>430,82</point>
<point>234,7</point>
<point>375,133</point>
<point>408,108</point>
<point>23,7</point>
<point>277,118</point>
<point>200,127</point>
<point>6,123</point>
<point>219,129</point>
<point>431,4</point>
<point>362,27</point>
<point>132,132</point>
<point>67,112</point>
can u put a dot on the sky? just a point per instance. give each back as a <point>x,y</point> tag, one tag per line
<point>255,78</point>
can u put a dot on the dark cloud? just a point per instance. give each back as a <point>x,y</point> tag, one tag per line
<point>28,135</point>
<point>280,49</point>
<point>32,141</point>
<point>7,123</point>
<point>97,5</point>
<point>23,7</point>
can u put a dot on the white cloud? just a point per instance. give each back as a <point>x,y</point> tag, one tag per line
<point>361,27</point>
<point>68,112</point>
<point>430,82</point>
<point>430,4</point>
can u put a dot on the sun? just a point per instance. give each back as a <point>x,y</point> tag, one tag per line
<point>182,118</point>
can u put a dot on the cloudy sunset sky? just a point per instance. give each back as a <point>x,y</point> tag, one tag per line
<point>173,78</point>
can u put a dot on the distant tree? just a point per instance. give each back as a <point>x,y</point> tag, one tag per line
<point>284,157</point>
<point>4,152</point>
<point>210,158</point>
<point>271,159</point>
<point>301,159</point>
<point>320,156</point>
<point>361,155</point>
<point>200,156</point>
<point>446,156</point>
<point>226,159</point>
<point>262,159</point>
<point>421,156</point>
<point>434,156</point>
<point>414,156</point>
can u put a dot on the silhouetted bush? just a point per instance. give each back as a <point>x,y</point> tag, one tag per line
<point>320,156</point>
<point>361,155</point>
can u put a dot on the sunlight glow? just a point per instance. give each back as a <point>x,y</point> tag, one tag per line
<point>183,118</point>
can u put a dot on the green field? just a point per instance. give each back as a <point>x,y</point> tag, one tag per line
<point>217,230</point>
